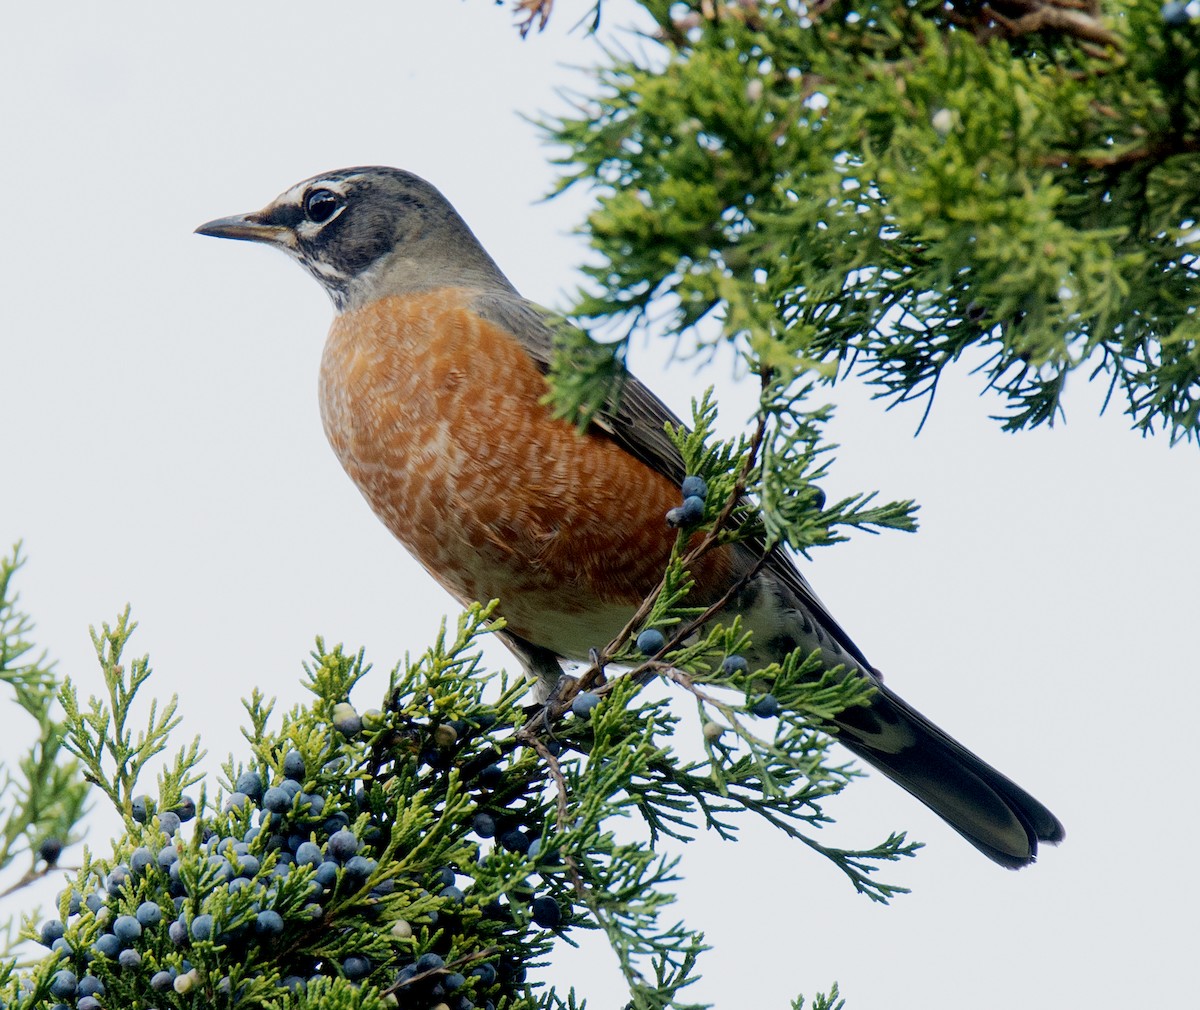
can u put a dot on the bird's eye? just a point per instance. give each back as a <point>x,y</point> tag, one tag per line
<point>320,205</point>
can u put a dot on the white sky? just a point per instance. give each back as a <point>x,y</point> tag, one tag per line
<point>162,446</point>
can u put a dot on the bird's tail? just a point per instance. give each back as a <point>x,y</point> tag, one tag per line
<point>991,812</point>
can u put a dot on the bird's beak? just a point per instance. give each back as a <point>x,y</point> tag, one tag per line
<point>249,228</point>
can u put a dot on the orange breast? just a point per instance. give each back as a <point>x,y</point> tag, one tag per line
<point>434,414</point>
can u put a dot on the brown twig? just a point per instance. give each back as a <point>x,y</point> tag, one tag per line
<point>1156,151</point>
<point>446,969</point>
<point>560,783</point>
<point>32,876</point>
<point>1066,18</point>
<point>530,12</point>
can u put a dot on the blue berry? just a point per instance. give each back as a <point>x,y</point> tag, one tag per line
<point>734,664</point>
<point>335,822</point>
<point>88,1003</point>
<point>117,878</point>
<point>1175,14</point>
<point>343,844</point>
<point>446,876</point>
<point>129,959</point>
<point>309,854</point>
<point>52,930</point>
<point>74,901</point>
<point>140,860</point>
<point>346,720</point>
<point>178,933</point>
<point>63,985</point>
<point>202,927</point>
<point>650,641</point>
<point>291,787</point>
<point>140,807</point>
<point>429,962</point>
<point>148,913</point>
<point>545,912</point>
<point>127,929</point>
<point>268,924</point>
<point>356,967</point>
<point>491,776</point>
<point>62,947</point>
<point>94,903</point>
<point>169,821</point>
<point>276,800</point>
<point>327,874</point>
<point>583,703</point>
<point>222,869</point>
<point>515,841</point>
<point>50,850</point>
<point>453,893</point>
<point>767,707</point>
<point>694,487</point>
<point>691,512</point>
<point>89,985</point>
<point>484,825</point>
<point>293,766</point>
<point>314,803</point>
<point>237,801</point>
<point>107,944</point>
<point>161,981</point>
<point>455,980</point>
<point>359,868</point>
<point>250,784</point>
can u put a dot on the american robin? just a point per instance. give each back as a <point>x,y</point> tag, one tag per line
<point>431,389</point>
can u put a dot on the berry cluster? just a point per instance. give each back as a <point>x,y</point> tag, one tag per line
<point>309,878</point>
<point>691,512</point>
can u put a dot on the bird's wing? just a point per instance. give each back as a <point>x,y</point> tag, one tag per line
<point>636,419</point>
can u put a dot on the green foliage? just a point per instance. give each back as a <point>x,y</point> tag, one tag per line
<point>857,184</point>
<point>102,731</point>
<point>823,1002</point>
<point>44,797</point>
<point>433,906</point>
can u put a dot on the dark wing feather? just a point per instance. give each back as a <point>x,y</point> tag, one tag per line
<point>636,422</point>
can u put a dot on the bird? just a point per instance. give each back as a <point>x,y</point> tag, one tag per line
<point>432,395</point>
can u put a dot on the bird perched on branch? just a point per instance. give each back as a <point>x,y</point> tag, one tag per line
<point>431,388</point>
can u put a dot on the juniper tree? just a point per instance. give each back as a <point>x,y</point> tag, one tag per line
<point>887,188</point>
<point>832,187</point>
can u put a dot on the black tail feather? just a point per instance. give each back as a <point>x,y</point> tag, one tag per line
<point>989,810</point>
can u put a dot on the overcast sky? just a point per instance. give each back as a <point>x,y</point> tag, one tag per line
<point>163,447</point>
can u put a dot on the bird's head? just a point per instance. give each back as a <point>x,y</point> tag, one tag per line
<point>366,233</point>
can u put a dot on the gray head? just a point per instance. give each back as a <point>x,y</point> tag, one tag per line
<point>366,233</point>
